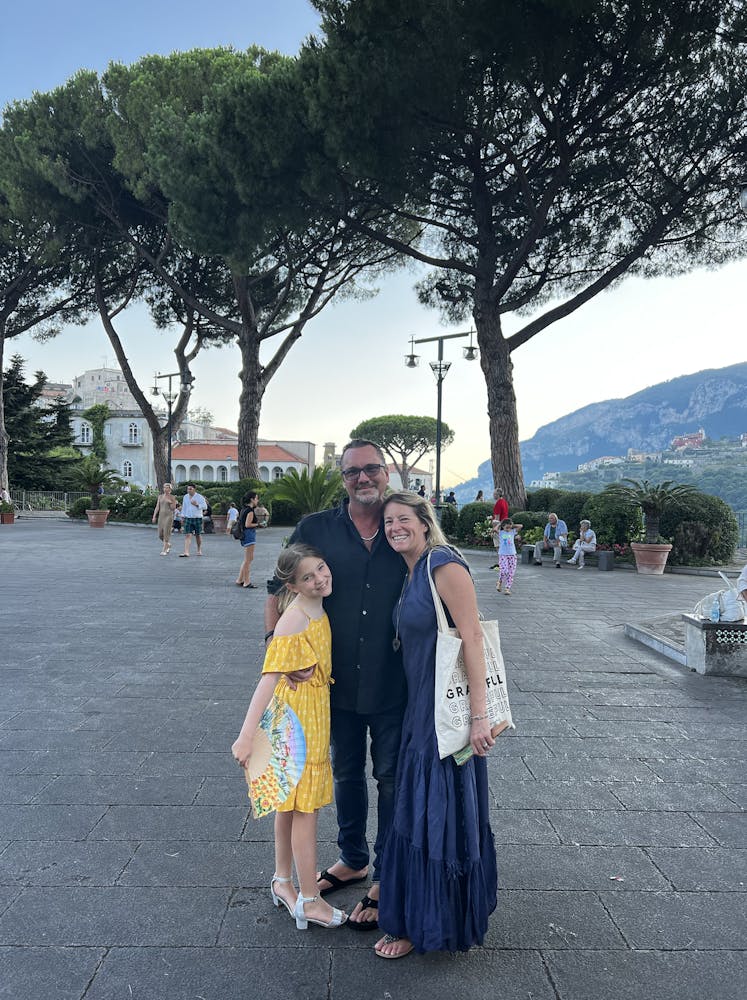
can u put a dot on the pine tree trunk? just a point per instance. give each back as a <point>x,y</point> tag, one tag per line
<point>495,360</point>
<point>250,404</point>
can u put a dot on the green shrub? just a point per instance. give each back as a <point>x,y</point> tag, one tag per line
<point>570,507</point>
<point>613,521</point>
<point>530,536</point>
<point>705,532</point>
<point>79,507</point>
<point>468,517</point>
<point>283,512</point>
<point>449,519</point>
<point>530,519</point>
<point>544,499</point>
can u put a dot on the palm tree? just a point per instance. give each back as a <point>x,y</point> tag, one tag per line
<point>653,499</point>
<point>309,493</point>
<point>91,477</point>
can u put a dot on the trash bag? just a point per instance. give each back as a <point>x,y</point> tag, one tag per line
<point>731,607</point>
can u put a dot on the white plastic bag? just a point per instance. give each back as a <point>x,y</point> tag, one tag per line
<point>731,608</point>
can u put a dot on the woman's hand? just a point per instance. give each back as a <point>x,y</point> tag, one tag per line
<point>480,737</point>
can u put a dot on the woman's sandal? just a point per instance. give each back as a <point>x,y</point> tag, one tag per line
<point>390,939</point>
<point>277,900</point>
<point>365,925</point>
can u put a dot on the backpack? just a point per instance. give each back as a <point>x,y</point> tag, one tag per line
<point>238,525</point>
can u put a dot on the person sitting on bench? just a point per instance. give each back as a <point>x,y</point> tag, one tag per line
<point>555,537</point>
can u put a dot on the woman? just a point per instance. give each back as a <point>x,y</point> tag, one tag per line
<point>248,520</point>
<point>439,878</point>
<point>586,542</point>
<point>163,512</point>
<point>479,498</point>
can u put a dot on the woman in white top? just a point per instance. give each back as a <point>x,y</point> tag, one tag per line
<point>586,542</point>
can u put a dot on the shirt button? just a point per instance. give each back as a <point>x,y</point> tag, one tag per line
<point>365,612</point>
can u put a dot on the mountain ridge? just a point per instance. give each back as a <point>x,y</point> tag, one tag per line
<point>714,399</point>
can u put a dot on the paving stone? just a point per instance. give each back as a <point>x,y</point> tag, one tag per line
<point>553,795</point>
<point>591,975</point>
<point>438,976</point>
<point>84,762</point>
<point>596,769</point>
<point>212,973</point>
<point>729,829</point>
<point>114,916</point>
<point>698,770</point>
<point>629,829</point>
<point>123,790</point>
<point>171,822</point>
<point>633,746</point>
<point>173,737</point>
<point>13,761</point>
<point>36,973</point>
<point>553,919</point>
<point>42,822</point>
<point>49,719</point>
<point>177,863</point>
<point>53,740</point>
<point>21,788</point>
<point>63,863</point>
<point>566,867</point>
<point>188,764</point>
<point>692,869</point>
<point>675,921</point>
<point>522,826</point>
<point>675,796</point>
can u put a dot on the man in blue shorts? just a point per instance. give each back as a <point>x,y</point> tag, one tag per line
<point>194,506</point>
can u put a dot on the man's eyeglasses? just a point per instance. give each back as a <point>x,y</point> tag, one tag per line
<point>354,473</point>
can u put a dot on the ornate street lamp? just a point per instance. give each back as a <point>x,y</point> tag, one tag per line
<point>439,369</point>
<point>170,395</point>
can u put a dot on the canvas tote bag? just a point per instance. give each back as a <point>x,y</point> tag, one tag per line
<point>452,710</point>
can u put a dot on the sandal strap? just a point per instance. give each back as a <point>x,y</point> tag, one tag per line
<point>280,878</point>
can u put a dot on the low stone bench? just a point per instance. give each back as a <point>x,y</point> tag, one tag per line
<point>603,558</point>
<point>716,647</point>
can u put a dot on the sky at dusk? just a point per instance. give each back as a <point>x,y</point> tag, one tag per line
<point>349,364</point>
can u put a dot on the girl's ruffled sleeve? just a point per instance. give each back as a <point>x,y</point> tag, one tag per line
<point>287,653</point>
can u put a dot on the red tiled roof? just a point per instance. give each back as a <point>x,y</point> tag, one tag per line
<point>226,451</point>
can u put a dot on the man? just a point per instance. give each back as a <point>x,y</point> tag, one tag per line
<point>194,506</point>
<point>451,498</point>
<point>555,537</point>
<point>500,508</point>
<point>369,691</point>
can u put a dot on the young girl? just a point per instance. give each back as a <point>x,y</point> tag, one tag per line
<point>507,553</point>
<point>302,640</point>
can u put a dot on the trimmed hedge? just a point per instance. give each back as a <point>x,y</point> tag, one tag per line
<point>703,532</point>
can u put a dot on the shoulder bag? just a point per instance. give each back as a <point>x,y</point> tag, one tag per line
<point>452,707</point>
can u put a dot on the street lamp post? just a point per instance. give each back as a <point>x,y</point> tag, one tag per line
<point>169,395</point>
<point>439,369</point>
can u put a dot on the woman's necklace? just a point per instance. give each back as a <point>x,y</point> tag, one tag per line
<point>395,641</point>
<point>363,537</point>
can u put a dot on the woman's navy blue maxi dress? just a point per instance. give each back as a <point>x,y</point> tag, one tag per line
<point>439,871</point>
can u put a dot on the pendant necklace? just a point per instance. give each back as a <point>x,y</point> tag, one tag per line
<point>396,641</point>
<point>363,537</point>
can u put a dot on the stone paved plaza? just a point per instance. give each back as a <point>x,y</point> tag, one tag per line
<point>130,869</point>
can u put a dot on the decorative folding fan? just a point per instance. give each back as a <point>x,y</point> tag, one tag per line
<point>277,759</point>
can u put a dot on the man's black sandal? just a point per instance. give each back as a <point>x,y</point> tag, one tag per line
<point>337,883</point>
<point>368,925</point>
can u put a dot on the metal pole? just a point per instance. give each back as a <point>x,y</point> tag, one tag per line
<point>439,383</point>
<point>168,402</point>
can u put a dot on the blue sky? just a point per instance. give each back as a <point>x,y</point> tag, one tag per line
<point>349,365</point>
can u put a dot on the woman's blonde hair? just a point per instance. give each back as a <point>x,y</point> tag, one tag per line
<point>288,562</point>
<point>424,512</point>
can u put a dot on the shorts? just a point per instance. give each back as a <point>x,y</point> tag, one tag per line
<point>192,525</point>
<point>250,537</point>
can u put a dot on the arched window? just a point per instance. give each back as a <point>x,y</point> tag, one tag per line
<point>180,474</point>
<point>277,472</point>
<point>222,474</point>
<point>207,474</point>
<point>264,473</point>
<point>126,469</point>
<point>85,434</point>
<point>133,433</point>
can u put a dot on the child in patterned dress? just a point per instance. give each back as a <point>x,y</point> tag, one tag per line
<point>301,642</point>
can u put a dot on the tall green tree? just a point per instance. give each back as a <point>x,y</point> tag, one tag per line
<point>40,454</point>
<point>404,439</point>
<point>544,150</point>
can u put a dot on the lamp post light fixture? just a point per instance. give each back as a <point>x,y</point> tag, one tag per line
<point>439,369</point>
<point>170,395</point>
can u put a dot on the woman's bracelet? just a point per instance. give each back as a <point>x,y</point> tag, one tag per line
<point>477,718</point>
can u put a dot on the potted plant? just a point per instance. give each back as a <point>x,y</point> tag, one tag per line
<point>652,499</point>
<point>94,479</point>
<point>7,513</point>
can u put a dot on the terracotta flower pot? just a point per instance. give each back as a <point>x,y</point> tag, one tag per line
<point>650,558</point>
<point>219,523</point>
<point>97,518</point>
<point>7,517</point>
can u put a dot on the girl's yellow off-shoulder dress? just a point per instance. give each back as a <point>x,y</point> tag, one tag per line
<point>310,702</point>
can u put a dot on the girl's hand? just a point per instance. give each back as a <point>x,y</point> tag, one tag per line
<point>242,749</point>
<point>480,737</point>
